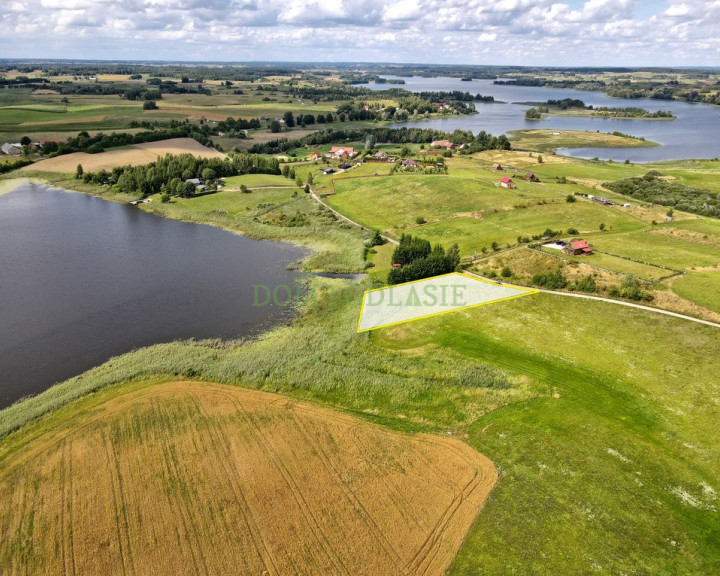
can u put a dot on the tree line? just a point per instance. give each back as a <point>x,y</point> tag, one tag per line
<point>170,173</point>
<point>474,143</point>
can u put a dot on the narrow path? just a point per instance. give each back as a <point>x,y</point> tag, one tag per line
<point>319,201</point>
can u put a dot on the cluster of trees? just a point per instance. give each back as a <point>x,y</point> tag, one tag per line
<point>419,260</point>
<point>24,82</point>
<point>474,143</point>
<point>142,93</point>
<point>169,174</point>
<point>83,142</point>
<point>652,188</point>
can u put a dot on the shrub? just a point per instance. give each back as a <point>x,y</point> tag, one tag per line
<point>586,284</point>
<point>553,280</point>
<point>420,220</point>
<point>506,272</point>
<point>570,198</point>
<point>573,231</point>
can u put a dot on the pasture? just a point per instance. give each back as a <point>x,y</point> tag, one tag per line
<point>656,247</point>
<point>194,477</point>
<point>619,447</point>
<point>236,202</point>
<point>701,287</point>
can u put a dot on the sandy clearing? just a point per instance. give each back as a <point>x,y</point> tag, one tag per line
<point>189,477</point>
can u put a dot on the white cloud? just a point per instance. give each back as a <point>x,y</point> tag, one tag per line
<point>465,31</point>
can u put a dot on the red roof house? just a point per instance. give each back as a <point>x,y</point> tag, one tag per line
<point>577,247</point>
<point>345,151</point>
<point>507,182</point>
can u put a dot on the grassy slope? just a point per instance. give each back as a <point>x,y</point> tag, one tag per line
<point>700,287</point>
<point>613,473</point>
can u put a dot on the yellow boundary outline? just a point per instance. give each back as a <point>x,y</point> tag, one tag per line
<point>525,292</point>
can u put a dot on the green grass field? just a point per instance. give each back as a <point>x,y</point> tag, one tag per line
<point>613,468</point>
<point>259,180</point>
<point>703,288</point>
<point>236,202</point>
<point>645,246</point>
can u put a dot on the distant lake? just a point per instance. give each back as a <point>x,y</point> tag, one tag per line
<point>83,279</point>
<point>693,134</point>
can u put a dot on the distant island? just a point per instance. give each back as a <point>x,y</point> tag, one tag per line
<point>571,107</point>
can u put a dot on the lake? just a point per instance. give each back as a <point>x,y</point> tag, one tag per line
<point>692,135</point>
<point>83,279</point>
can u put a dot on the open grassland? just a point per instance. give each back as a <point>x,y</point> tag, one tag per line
<point>656,247</point>
<point>135,155</point>
<point>259,181</point>
<point>601,419</point>
<point>616,470</point>
<point>236,202</point>
<point>549,140</point>
<point>701,287</point>
<point>468,208</point>
<point>305,489</point>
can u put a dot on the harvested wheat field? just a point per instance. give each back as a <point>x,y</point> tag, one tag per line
<point>136,155</point>
<point>197,478</point>
<point>180,146</point>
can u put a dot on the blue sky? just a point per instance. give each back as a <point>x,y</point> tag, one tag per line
<point>521,32</point>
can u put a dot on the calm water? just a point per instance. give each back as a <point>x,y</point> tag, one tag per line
<point>694,134</point>
<point>83,279</point>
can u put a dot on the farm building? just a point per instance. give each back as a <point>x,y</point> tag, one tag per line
<point>409,163</point>
<point>507,183</point>
<point>442,144</point>
<point>577,247</point>
<point>497,166</point>
<point>315,155</point>
<point>381,155</point>
<point>530,177</point>
<point>341,152</point>
<point>12,149</point>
